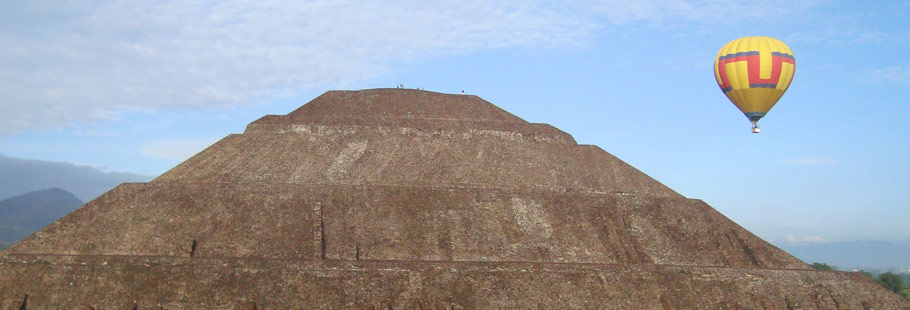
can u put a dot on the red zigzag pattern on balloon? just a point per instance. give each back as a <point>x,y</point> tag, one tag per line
<point>753,63</point>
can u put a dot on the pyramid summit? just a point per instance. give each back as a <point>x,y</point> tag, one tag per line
<point>401,199</point>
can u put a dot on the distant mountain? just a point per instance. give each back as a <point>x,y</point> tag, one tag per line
<point>22,215</point>
<point>853,255</point>
<point>18,176</point>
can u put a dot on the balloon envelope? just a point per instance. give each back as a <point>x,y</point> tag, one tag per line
<point>754,72</point>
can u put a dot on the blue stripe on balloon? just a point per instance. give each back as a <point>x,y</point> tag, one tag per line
<point>753,53</point>
<point>784,55</point>
<point>740,54</point>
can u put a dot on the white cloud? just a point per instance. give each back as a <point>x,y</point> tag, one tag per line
<point>702,11</point>
<point>89,61</point>
<point>811,161</point>
<point>895,74</point>
<point>117,55</point>
<point>175,150</point>
<point>806,239</point>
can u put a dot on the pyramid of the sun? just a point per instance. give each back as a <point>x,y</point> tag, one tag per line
<point>407,199</point>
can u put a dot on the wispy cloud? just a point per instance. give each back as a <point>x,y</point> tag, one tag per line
<point>84,62</point>
<point>175,150</point>
<point>71,63</point>
<point>896,74</point>
<point>805,239</point>
<point>701,11</point>
<point>811,161</point>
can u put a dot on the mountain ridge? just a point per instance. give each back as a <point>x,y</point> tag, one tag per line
<point>24,214</point>
<point>19,176</point>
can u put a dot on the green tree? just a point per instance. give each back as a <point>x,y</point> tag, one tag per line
<point>823,266</point>
<point>892,282</point>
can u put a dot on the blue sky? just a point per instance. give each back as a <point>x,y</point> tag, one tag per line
<point>138,87</point>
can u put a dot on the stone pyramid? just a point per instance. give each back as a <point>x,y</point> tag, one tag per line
<point>408,199</point>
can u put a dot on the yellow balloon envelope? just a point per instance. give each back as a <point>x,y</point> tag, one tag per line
<point>754,72</point>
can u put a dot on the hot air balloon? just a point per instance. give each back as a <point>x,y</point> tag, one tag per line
<point>754,72</point>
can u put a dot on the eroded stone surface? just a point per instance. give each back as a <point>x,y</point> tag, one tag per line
<point>402,223</point>
<point>124,282</point>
